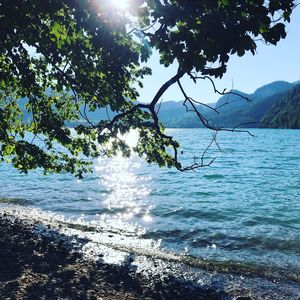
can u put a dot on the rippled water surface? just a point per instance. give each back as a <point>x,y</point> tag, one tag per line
<point>244,208</point>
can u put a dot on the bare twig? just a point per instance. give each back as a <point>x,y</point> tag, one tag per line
<point>203,119</point>
<point>144,31</point>
<point>216,90</point>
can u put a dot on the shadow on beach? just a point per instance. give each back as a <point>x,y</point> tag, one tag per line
<point>35,266</point>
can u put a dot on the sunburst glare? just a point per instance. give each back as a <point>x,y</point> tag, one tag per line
<point>120,4</point>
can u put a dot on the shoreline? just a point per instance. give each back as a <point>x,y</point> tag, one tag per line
<point>35,266</point>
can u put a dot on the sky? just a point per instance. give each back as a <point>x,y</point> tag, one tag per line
<point>247,73</point>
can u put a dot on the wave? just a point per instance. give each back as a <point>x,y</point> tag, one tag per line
<point>16,201</point>
<point>115,243</point>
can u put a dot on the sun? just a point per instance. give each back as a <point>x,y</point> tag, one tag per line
<point>120,4</point>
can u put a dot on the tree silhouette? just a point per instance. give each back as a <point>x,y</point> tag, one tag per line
<point>60,59</point>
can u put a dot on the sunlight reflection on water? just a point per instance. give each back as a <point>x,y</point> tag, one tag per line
<point>127,191</point>
<point>244,208</point>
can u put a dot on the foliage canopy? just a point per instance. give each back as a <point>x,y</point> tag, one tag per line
<point>61,58</point>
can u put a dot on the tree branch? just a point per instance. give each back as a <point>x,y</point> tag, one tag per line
<point>165,86</point>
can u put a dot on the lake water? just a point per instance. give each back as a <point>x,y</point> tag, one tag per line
<point>241,212</point>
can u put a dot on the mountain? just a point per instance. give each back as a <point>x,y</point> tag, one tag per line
<point>233,108</point>
<point>174,114</point>
<point>234,100</point>
<point>171,113</point>
<point>249,114</point>
<point>271,89</point>
<point>286,112</point>
<point>296,82</point>
<point>93,116</point>
<point>276,103</point>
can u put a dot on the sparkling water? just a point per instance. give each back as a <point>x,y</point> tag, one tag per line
<point>243,210</point>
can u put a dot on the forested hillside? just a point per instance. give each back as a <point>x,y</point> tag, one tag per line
<point>233,109</point>
<point>276,104</point>
<point>285,113</point>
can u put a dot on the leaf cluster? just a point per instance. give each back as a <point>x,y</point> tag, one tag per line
<point>60,59</point>
<point>202,35</point>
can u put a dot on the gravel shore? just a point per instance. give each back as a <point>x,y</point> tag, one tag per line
<point>39,266</point>
<point>34,266</point>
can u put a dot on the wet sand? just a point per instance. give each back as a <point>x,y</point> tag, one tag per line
<point>36,266</point>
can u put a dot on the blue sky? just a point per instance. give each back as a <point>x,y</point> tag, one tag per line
<point>271,63</point>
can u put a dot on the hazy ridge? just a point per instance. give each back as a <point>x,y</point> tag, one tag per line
<point>235,110</point>
<point>275,105</point>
